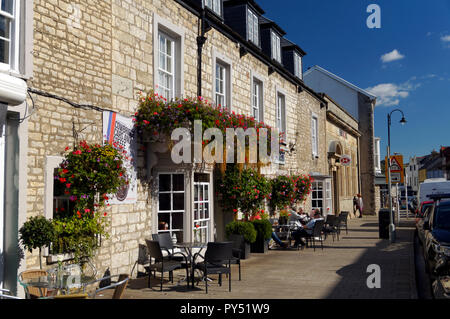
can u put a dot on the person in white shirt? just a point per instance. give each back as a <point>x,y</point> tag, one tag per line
<point>306,230</point>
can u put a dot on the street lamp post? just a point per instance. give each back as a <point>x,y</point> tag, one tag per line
<point>391,220</point>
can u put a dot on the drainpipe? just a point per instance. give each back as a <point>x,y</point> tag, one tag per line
<point>201,39</point>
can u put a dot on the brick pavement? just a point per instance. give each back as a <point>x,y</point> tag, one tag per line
<point>339,271</point>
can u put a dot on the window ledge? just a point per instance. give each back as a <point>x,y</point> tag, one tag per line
<point>13,90</point>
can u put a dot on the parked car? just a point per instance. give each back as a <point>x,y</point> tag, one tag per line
<point>421,216</point>
<point>436,226</point>
<point>420,212</point>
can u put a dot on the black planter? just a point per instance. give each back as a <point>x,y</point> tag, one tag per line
<point>240,244</point>
<point>245,250</point>
<point>260,246</point>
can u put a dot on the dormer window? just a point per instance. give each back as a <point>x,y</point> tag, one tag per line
<point>298,66</point>
<point>215,6</point>
<point>252,27</point>
<point>276,47</point>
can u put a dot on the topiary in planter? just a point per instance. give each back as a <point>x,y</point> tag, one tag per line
<point>37,232</point>
<point>245,229</point>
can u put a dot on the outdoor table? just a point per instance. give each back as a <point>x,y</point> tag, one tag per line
<point>62,283</point>
<point>188,247</point>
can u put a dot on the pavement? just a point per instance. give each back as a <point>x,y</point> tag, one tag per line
<point>339,271</point>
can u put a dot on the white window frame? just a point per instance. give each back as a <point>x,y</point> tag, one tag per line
<point>298,65</point>
<point>220,78</point>
<point>315,194</point>
<point>206,227</point>
<point>315,135</point>
<point>276,46</point>
<point>281,112</point>
<point>163,71</point>
<point>222,60</point>
<point>177,34</point>
<point>14,37</point>
<point>257,99</point>
<point>214,5</point>
<point>172,211</point>
<point>252,27</point>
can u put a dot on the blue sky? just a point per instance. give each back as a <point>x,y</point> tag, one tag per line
<point>406,62</point>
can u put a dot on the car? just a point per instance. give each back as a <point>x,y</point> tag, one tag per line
<point>436,226</point>
<point>420,212</point>
<point>421,216</point>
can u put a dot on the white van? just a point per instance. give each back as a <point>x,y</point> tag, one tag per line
<point>433,186</point>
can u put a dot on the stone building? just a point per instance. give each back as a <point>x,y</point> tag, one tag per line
<point>342,140</point>
<point>359,104</point>
<point>80,60</point>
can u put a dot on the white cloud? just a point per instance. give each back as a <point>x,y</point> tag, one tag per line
<point>392,56</point>
<point>445,38</point>
<point>390,94</point>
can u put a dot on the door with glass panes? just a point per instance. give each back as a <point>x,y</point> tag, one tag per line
<point>202,208</point>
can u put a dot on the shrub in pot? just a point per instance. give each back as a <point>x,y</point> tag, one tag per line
<point>247,233</point>
<point>264,233</point>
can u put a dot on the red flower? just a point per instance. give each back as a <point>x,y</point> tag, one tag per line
<point>67,148</point>
<point>68,185</point>
<point>78,214</point>
<point>62,180</point>
<point>105,214</point>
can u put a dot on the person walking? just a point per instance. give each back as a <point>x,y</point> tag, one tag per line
<point>360,205</point>
<point>355,204</point>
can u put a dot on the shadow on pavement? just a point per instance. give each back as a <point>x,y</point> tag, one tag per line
<point>397,273</point>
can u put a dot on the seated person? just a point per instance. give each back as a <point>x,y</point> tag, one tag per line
<point>278,240</point>
<point>306,230</point>
<point>275,236</point>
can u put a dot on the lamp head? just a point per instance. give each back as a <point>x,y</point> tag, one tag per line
<point>403,121</point>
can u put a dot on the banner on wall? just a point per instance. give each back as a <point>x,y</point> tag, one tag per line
<point>118,130</point>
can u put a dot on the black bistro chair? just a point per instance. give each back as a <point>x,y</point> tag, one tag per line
<point>143,259</point>
<point>217,260</point>
<point>317,232</point>
<point>343,216</point>
<point>166,244</point>
<point>332,226</point>
<point>162,264</point>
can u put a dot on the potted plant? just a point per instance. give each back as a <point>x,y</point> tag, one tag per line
<point>37,232</point>
<point>264,233</point>
<point>284,215</point>
<point>247,233</point>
